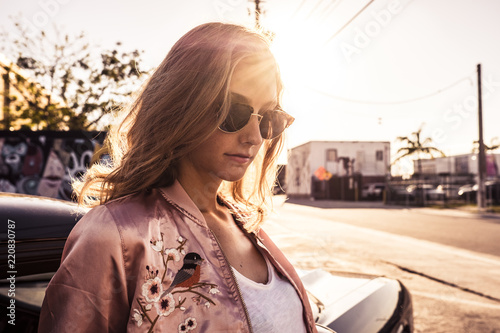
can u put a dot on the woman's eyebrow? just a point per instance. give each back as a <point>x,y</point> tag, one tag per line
<point>270,104</point>
<point>239,98</point>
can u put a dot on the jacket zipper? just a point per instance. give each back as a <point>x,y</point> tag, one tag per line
<point>236,283</point>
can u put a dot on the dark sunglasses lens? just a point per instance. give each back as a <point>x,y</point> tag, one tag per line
<point>238,117</point>
<point>273,123</point>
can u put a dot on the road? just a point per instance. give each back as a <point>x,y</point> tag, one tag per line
<point>460,230</point>
<point>449,260</point>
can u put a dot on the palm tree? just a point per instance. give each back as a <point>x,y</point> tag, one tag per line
<point>414,146</point>
<point>493,146</point>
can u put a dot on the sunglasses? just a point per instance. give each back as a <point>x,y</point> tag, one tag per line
<point>271,122</point>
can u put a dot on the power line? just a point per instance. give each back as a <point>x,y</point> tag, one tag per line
<point>393,102</point>
<point>329,10</point>
<point>298,8</point>
<point>318,4</point>
<point>348,22</point>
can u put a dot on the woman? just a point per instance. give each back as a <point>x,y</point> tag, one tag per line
<point>173,243</point>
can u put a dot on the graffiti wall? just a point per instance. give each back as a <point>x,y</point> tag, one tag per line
<point>44,162</point>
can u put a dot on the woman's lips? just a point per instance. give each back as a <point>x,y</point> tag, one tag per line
<point>241,159</point>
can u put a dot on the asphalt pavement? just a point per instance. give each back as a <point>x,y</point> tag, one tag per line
<point>454,288</point>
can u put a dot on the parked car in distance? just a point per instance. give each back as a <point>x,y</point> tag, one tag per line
<point>443,192</point>
<point>341,302</point>
<point>435,194</point>
<point>374,191</point>
<point>415,191</point>
<point>468,192</point>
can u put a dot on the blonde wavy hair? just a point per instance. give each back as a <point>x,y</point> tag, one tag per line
<point>181,105</point>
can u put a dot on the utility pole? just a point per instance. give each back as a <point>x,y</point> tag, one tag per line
<point>6,98</point>
<point>258,12</point>
<point>481,193</point>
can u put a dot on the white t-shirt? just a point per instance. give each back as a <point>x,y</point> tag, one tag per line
<point>273,307</point>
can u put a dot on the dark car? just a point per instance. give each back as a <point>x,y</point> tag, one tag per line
<point>35,230</point>
<point>468,193</point>
<point>374,191</point>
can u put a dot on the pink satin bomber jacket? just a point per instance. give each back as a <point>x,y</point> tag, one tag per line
<point>148,262</point>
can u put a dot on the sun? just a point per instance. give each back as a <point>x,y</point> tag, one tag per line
<point>305,58</point>
<point>305,64</point>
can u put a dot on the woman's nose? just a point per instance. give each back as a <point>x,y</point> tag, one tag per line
<point>251,132</point>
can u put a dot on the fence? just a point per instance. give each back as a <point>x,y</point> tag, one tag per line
<point>337,188</point>
<point>440,190</point>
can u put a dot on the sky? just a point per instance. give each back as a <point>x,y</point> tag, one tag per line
<point>398,66</point>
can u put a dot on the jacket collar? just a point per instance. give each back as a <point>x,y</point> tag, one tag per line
<point>177,196</point>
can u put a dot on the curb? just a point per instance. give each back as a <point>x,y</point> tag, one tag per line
<point>455,213</point>
<point>334,204</point>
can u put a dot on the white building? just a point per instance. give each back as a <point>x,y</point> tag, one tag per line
<point>459,165</point>
<point>370,159</point>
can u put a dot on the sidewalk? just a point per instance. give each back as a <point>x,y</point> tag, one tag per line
<point>466,211</point>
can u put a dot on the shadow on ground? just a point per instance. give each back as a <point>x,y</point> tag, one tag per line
<point>341,204</point>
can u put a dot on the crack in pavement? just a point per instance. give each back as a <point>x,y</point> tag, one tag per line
<point>447,283</point>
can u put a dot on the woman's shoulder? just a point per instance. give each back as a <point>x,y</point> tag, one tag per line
<point>130,214</point>
<point>104,222</point>
<point>133,207</point>
<point>121,223</point>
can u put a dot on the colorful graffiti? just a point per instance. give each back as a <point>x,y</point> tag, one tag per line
<point>44,162</point>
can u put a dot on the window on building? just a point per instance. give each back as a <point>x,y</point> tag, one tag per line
<point>379,155</point>
<point>331,155</point>
<point>462,164</point>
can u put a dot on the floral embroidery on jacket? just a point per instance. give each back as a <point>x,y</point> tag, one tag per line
<point>158,292</point>
<point>188,325</point>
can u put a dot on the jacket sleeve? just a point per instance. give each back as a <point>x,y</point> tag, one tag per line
<point>88,293</point>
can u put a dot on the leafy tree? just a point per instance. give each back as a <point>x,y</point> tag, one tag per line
<point>60,82</point>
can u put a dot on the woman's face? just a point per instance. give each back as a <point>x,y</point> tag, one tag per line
<point>226,156</point>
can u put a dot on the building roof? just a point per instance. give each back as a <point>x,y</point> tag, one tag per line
<point>324,141</point>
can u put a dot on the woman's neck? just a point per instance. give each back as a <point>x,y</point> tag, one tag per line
<point>203,192</point>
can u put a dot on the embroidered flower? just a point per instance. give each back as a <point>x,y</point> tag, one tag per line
<point>152,272</point>
<point>183,328</point>
<point>214,291</point>
<point>137,316</point>
<point>181,242</point>
<point>191,323</point>
<point>207,305</point>
<point>188,325</point>
<point>166,305</point>
<point>172,254</point>
<point>152,289</point>
<point>157,245</point>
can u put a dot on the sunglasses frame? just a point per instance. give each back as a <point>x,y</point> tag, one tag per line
<point>288,117</point>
